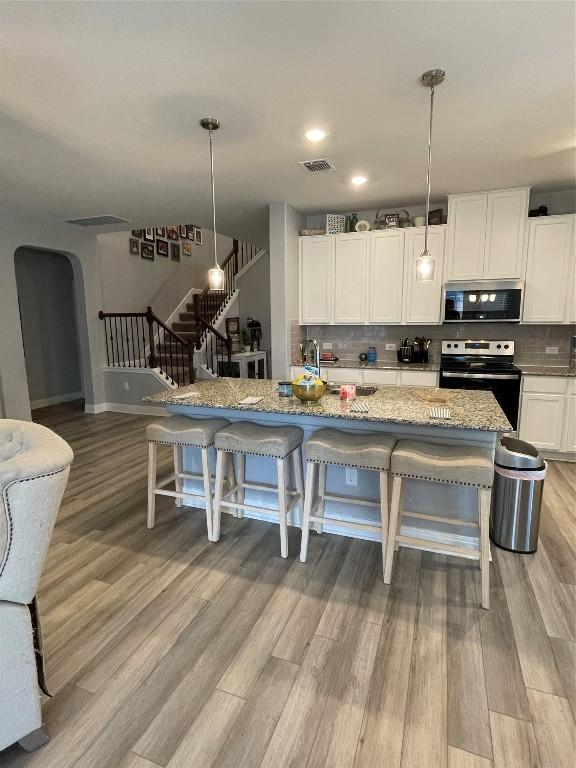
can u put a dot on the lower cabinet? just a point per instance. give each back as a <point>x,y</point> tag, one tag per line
<point>378,376</point>
<point>548,413</point>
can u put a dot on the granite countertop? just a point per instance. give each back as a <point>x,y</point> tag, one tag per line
<point>394,405</point>
<point>547,370</point>
<point>384,365</point>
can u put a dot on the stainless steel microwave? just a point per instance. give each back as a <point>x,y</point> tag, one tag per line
<point>483,301</point>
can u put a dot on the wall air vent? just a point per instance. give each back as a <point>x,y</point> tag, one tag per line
<point>97,221</point>
<point>317,166</point>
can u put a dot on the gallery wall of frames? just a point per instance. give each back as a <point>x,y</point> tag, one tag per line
<point>171,241</point>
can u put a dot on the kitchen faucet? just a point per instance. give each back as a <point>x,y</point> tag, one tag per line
<point>316,347</point>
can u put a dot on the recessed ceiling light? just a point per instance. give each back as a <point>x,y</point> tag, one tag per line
<point>316,134</point>
<point>358,180</point>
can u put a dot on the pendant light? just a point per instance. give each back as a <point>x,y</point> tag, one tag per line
<point>216,273</point>
<point>426,263</point>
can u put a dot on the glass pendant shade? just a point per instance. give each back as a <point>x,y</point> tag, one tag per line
<point>425,267</point>
<point>216,278</point>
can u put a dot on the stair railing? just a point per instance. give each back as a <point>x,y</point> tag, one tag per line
<point>142,340</point>
<point>217,346</point>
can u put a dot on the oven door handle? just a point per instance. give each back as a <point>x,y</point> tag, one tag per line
<point>491,376</point>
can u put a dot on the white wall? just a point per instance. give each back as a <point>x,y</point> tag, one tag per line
<point>285,225</point>
<point>45,281</point>
<point>20,228</point>
<point>130,283</point>
<point>254,297</point>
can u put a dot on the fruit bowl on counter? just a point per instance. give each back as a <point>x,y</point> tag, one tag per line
<point>309,391</point>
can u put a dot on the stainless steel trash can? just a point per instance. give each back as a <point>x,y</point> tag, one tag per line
<point>519,473</point>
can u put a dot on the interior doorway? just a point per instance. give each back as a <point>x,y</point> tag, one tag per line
<point>49,321</point>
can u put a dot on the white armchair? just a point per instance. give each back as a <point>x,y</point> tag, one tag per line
<point>34,469</point>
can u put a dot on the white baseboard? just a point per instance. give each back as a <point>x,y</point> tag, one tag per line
<point>55,400</point>
<point>142,410</point>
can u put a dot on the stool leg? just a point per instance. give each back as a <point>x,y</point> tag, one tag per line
<point>281,466</point>
<point>384,516</point>
<point>152,456</point>
<point>218,487</point>
<point>299,479</point>
<point>308,498</point>
<point>178,484</point>
<point>240,478</point>
<point>322,470</point>
<point>394,514</point>
<point>484,498</point>
<point>207,493</point>
<point>399,523</point>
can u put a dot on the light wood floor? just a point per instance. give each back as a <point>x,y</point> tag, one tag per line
<point>163,649</point>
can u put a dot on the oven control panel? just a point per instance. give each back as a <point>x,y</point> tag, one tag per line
<point>477,347</point>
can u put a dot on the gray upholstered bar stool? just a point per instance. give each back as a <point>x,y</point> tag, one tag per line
<point>457,465</point>
<point>181,432</point>
<point>243,439</point>
<point>361,450</point>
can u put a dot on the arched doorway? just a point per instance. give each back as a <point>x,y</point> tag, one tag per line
<point>47,299</point>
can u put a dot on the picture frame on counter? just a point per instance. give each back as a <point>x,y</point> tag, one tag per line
<point>436,216</point>
<point>175,251</point>
<point>134,246</point>
<point>146,250</point>
<point>391,220</point>
<point>149,235</point>
<point>186,248</point>
<point>162,248</point>
<point>197,235</point>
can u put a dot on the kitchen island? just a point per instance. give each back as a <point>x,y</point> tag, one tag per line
<point>476,419</point>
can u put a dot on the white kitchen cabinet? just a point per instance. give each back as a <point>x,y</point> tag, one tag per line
<point>385,276</point>
<point>380,377</point>
<point>423,301</point>
<point>341,375</point>
<point>549,269</point>
<point>418,378</point>
<point>316,280</point>
<point>569,441</point>
<point>466,236</point>
<point>541,420</point>
<point>486,234</point>
<point>504,248</point>
<point>351,253</point>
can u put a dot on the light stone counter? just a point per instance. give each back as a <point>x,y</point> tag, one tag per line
<point>401,411</point>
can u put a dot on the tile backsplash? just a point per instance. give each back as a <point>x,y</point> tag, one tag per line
<point>348,341</point>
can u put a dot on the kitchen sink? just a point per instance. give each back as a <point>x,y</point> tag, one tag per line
<point>361,390</point>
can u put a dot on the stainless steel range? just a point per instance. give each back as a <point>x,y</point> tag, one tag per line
<point>485,365</point>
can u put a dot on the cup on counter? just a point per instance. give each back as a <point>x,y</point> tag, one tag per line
<point>285,388</point>
<point>348,392</point>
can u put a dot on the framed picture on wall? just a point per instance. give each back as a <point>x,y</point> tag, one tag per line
<point>186,249</point>
<point>183,231</point>
<point>160,231</point>
<point>190,232</point>
<point>134,246</point>
<point>137,233</point>
<point>162,248</point>
<point>175,251</point>
<point>149,235</point>
<point>197,235</point>
<point>172,232</point>
<point>436,216</point>
<point>147,251</point>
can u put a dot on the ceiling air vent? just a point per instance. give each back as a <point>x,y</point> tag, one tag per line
<point>317,166</point>
<point>98,221</point>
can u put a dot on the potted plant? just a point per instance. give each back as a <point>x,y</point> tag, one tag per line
<point>246,340</point>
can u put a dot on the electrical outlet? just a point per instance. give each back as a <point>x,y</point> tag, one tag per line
<point>351,476</point>
<point>126,387</point>
<point>326,345</point>
<point>552,350</point>
<point>390,347</point>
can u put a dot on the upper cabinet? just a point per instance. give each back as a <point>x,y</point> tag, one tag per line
<point>422,303</point>
<point>350,259</point>
<point>549,287</point>
<point>385,270</point>
<point>316,280</point>
<point>486,234</point>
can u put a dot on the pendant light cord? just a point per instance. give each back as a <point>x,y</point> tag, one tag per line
<point>429,166</point>
<point>213,200</point>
